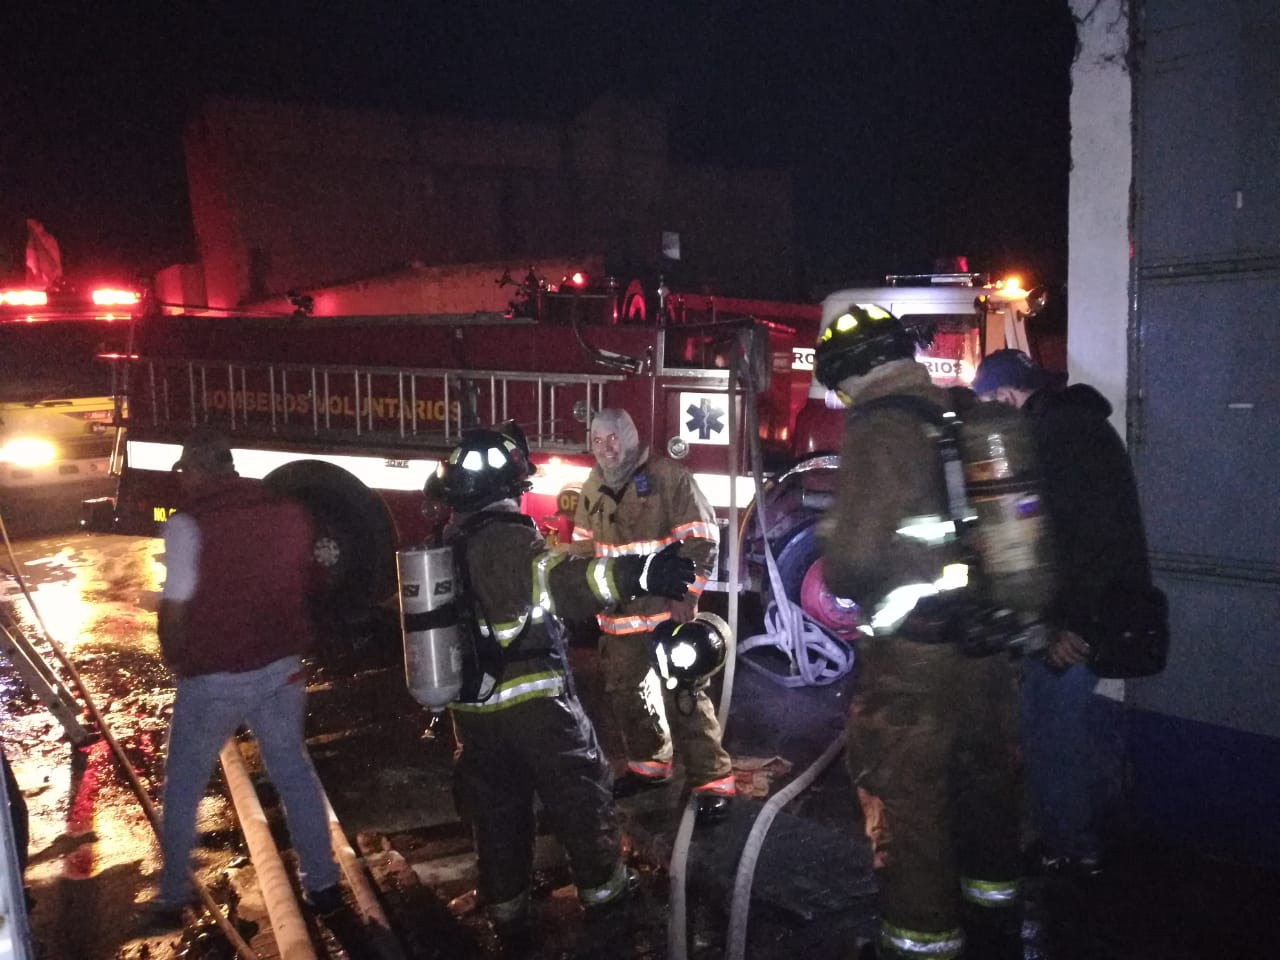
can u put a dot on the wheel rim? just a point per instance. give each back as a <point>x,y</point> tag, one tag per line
<point>327,552</point>
<point>837,615</point>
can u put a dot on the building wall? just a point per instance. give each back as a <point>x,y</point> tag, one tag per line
<point>1098,216</point>
<point>288,196</point>
<point>1174,272</point>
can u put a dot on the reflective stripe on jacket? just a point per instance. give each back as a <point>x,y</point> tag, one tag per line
<point>519,586</point>
<point>658,506</point>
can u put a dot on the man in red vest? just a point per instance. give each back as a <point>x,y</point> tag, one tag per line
<point>234,624</point>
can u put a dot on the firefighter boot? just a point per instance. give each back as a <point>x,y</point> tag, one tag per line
<point>715,798</point>
<point>611,900</point>
<point>642,776</point>
<point>513,924</point>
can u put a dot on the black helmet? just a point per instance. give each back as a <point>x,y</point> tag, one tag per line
<point>487,465</point>
<point>858,340</point>
<point>687,653</point>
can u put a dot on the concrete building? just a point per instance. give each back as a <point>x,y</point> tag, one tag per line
<point>289,196</point>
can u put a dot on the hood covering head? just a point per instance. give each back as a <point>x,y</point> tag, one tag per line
<point>613,422</point>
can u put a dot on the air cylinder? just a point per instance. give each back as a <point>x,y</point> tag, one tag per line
<point>1001,476</point>
<point>429,624</point>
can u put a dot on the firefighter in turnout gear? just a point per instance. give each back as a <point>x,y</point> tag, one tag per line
<point>933,731</point>
<point>630,504</point>
<point>520,727</point>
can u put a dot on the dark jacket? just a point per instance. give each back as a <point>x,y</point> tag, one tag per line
<point>1091,498</point>
<point>519,585</point>
<point>256,569</point>
<point>889,471</point>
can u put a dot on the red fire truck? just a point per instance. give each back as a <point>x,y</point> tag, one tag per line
<point>351,414</point>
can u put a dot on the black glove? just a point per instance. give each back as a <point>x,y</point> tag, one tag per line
<point>661,574</point>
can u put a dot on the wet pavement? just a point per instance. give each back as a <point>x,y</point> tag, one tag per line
<point>385,762</point>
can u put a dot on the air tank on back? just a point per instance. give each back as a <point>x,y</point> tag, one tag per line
<point>1001,475</point>
<point>429,623</point>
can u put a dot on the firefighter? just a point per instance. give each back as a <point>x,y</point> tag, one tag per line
<point>520,727</point>
<point>632,503</point>
<point>933,735</point>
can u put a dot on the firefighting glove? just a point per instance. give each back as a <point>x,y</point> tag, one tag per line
<point>662,574</point>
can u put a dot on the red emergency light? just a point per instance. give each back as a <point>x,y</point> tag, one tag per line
<point>110,297</point>
<point>23,298</point>
<point>579,279</point>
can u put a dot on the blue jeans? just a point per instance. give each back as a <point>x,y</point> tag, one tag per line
<point>1064,755</point>
<point>207,710</point>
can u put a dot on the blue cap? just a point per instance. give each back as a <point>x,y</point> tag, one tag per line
<point>1008,368</point>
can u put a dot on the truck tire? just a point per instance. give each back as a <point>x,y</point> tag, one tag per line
<point>800,569</point>
<point>355,541</point>
<point>795,556</point>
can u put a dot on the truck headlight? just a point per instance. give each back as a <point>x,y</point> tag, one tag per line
<point>28,452</point>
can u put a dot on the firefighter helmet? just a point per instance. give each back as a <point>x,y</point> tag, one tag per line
<point>685,654</point>
<point>487,465</point>
<point>860,339</point>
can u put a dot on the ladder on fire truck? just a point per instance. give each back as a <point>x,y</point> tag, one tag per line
<point>561,404</point>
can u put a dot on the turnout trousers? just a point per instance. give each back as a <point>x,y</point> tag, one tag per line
<point>544,746</point>
<point>933,750</point>
<point>656,724</point>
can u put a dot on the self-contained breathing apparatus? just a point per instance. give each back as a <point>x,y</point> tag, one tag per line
<point>993,542</point>
<point>452,650</point>
<point>994,574</point>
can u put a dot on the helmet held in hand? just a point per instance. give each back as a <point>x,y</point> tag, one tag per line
<point>687,654</point>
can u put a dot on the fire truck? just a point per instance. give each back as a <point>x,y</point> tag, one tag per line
<point>351,414</point>
<point>57,398</point>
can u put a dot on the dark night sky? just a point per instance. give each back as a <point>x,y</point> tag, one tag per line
<point>914,128</point>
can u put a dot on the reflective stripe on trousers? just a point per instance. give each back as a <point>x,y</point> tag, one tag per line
<point>989,893</point>
<point>613,888</point>
<point>654,769</point>
<point>899,941</point>
<point>724,786</point>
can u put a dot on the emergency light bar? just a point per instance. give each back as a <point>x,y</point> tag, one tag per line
<point>23,298</point>
<point>70,302</point>
<point>108,297</point>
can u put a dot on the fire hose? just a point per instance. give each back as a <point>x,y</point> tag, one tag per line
<point>816,659</point>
